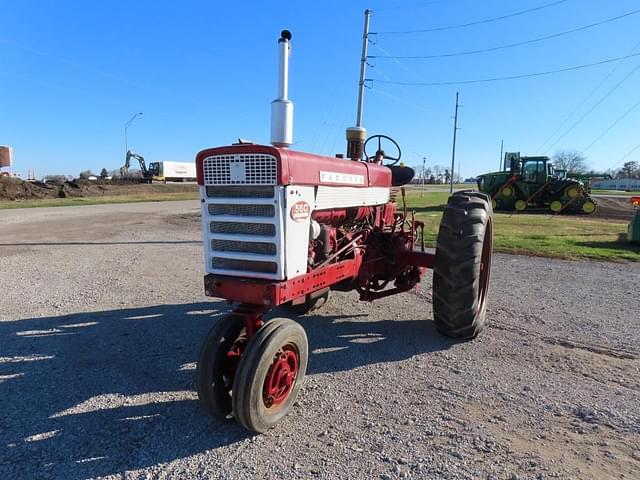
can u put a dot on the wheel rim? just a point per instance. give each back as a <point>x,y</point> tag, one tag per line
<point>485,266</point>
<point>588,207</point>
<point>281,376</point>
<point>507,192</point>
<point>521,205</point>
<point>572,191</point>
<point>556,206</point>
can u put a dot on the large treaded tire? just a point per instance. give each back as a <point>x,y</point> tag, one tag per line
<point>248,400</point>
<point>462,265</point>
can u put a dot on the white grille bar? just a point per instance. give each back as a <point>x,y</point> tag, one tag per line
<point>240,169</point>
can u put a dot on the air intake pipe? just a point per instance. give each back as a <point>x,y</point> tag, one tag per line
<point>282,107</point>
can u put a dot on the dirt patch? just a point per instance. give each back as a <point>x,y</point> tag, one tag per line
<point>614,208</point>
<point>16,189</point>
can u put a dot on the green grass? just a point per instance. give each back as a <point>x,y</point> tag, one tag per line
<point>132,198</point>
<point>538,234</point>
<point>442,186</point>
<point>617,193</point>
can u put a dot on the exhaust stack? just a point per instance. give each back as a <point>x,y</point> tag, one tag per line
<point>282,107</point>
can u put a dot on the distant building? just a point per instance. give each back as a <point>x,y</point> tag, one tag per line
<point>617,184</point>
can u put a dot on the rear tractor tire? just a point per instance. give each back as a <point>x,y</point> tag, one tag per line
<point>270,374</point>
<point>462,265</point>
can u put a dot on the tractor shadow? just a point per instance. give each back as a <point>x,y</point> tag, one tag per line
<point>340,343</point>
<point>621,244</point>
<point>100,393</point>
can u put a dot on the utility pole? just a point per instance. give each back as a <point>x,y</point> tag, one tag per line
<point>453,150</point>
<point>501,153</point>
<point>424,170</point>
<point>363,66</point>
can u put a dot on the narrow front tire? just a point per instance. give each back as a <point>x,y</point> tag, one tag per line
<point>270,374</point>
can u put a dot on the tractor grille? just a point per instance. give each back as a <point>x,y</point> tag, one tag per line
<point>240,192</point>
<point>242,210</point>
<point>244,265</point>
<point>240,169</point>
<point>264,229</point>
<point>262,248</point>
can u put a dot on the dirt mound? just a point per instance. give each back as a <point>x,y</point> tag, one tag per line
<point>16,189</point>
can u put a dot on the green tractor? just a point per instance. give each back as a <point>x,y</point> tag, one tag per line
<point>532,182</point>
<point>633,234</point>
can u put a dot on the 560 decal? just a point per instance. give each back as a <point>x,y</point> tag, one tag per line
<point>300,211</point>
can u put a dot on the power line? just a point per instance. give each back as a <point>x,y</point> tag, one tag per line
<point>616,121</point>
<point>477,22</point>
<point>596,105</point>
<point>511,77</point>
<point>625,156</point>
<point>584,101</point>
<point>511,45</point>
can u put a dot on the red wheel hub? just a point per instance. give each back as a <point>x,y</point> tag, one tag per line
<point>281,376</point>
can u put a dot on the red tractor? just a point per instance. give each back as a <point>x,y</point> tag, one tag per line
<point>284,228</point>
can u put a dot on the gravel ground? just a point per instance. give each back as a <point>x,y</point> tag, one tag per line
<point>103,315</point>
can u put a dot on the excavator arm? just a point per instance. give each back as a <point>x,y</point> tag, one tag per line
<point>143,166</point>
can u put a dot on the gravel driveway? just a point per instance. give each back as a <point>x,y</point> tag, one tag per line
<point>103,314</point>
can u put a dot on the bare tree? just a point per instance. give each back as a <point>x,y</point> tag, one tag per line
<point>630,169</point>
<point>437,173</point>
<point>570,160</point>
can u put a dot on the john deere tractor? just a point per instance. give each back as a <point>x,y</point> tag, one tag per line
<point>532,182</point>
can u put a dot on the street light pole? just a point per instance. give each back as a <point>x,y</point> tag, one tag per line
<point>424,165</point>
<point>126,126</point>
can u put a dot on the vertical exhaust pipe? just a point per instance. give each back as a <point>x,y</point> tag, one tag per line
<point>282,107</point>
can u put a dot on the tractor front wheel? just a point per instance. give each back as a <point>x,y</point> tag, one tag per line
<point>270,374</point>
<point>217,363</point>
<point>462,265</point>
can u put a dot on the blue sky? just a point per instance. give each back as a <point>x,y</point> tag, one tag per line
<point>204,74</point>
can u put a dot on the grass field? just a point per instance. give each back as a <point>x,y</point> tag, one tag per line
<point>617,193</point>
<point>131,198</point>
<point>538,234</point>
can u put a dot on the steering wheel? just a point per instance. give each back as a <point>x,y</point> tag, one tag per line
<point>394,160</point>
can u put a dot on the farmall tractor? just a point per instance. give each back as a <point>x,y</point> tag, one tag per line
<point>283,228</point>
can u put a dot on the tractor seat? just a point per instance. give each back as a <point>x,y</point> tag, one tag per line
<point>401,175</point>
